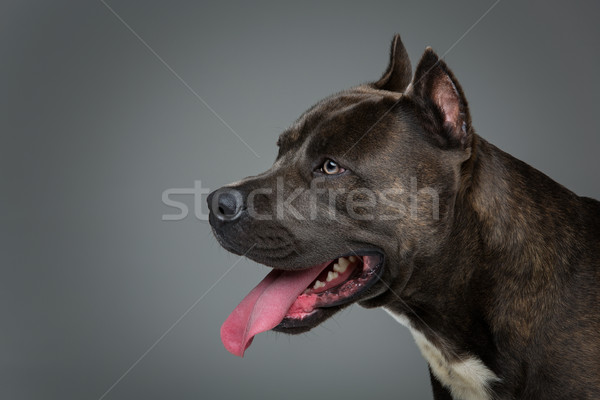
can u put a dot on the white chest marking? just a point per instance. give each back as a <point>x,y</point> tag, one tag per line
<point>467,379</point>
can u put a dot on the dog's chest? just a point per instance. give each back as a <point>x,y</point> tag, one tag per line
<point>467,379</point>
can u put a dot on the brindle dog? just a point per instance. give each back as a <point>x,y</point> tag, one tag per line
<point>384,195</point>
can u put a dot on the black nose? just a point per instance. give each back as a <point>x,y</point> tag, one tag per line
<point>225,204</point>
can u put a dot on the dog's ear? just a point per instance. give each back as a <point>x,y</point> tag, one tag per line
<point>435,83</point>
<point>399,72</point>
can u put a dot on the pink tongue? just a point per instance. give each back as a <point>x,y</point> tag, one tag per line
<point>265,306</point>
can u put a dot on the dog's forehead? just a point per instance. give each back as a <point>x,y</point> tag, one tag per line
<point>332,111</point>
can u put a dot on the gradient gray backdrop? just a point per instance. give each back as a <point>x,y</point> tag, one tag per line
<point>94,128</point>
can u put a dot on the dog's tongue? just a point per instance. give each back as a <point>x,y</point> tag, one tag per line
<point>265,306</point>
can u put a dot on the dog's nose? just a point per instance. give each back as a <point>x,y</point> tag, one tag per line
<point>225,204</point>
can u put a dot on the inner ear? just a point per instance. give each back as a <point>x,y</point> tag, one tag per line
<point>447,98</point>
<point>435,83</point>
<point>398,74</point>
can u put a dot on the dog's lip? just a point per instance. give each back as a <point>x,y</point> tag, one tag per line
<point>315,316</point>
<point>357,253</point>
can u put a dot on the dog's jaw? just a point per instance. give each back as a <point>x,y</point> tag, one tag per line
<point>298,300</point>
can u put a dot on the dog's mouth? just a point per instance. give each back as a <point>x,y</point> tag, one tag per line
<point>342,281</point>
<point>300,300</point>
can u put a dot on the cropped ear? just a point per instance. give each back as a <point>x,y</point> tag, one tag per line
<point>399,72</point>
<point>435,83</point>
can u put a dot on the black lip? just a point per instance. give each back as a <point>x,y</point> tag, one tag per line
<point>365,252</point>
<point>320,314</point>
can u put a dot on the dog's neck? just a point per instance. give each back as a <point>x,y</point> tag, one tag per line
<point>464,310</point>
<point>526,232</point>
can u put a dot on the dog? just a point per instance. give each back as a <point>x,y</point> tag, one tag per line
<point>384,195</point>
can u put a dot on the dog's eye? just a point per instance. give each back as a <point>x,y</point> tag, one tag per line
<point>330,167</point>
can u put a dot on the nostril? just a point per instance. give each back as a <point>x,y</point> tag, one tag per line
<point>226,204</point>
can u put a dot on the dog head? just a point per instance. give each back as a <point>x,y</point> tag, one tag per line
<point>364,181</point>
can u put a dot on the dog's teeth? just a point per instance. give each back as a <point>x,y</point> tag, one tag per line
<point>344,262</point>
<point>318,284</point>
<point>338,268</point>
<point>332,275</point>
<point>353,259</point>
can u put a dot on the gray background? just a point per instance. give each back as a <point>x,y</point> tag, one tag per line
<point>94,128</point>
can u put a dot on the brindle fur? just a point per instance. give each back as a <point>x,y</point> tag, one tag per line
<point>508,273</point>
